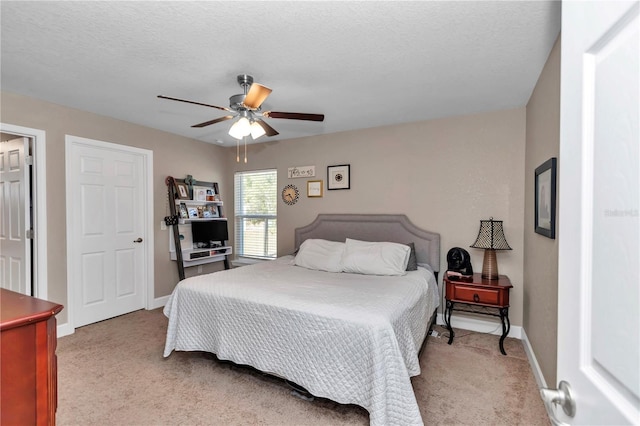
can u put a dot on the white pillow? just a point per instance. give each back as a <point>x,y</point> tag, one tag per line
<point>322,255</point>
<point>375,258</point>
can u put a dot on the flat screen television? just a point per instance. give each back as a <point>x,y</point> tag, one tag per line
<point>209,233</point>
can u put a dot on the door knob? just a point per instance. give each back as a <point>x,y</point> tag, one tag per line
<point>139,240</point>
<point>561,397</point>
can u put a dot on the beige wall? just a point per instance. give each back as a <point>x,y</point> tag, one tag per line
<point>173,155</point>
<point>445,175</point>
<point>540,304</point>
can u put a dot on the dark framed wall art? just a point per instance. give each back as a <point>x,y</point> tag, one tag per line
<point>545,202</point>
<point>338,177</point>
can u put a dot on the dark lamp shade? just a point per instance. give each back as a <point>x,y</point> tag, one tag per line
<point>491,236</point>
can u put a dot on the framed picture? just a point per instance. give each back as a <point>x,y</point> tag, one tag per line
<point>338,177</point>
<point>210,194</point>
<point>314,188</point>
<point>184,213</point>
<point>199,193</point>
<point>545,194</point>
<point>183,191</point>
<point>193,212</point>
<point>210,211</point>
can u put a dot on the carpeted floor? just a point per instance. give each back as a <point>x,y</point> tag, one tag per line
<point>113,373</point>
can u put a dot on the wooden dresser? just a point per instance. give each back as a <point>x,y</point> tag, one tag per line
<point>28,365</point>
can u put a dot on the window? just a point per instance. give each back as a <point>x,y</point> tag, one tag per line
<point>256,200</point>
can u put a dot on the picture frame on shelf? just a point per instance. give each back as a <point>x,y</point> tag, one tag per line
<point>314,188</point>
<point>210,195</point>
<point>338,177</point>
<point>211,212</point>
<point>199,193</point>
<point>184,213</point>
<point>182,191</point>
<point>545,198</point>
<point>193,212</point>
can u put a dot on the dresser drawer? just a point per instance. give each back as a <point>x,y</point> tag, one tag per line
<point>462,293</point>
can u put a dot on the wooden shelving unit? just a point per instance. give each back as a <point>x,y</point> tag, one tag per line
<point>194,201</point>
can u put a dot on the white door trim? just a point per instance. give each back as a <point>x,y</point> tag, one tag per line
<point>148,248</point>
<point>39,198</point>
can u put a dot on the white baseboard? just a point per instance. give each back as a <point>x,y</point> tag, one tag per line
<point>480,326</point>
<point>533,361</point>
<point>158,302</point>
<point>65,329</point>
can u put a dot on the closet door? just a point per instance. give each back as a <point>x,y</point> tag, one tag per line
<point>15,219</point>
<point>106,227</point>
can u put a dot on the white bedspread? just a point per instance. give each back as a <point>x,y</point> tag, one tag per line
<point>351,338</point>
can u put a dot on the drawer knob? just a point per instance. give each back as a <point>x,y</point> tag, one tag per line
<point>476,298</point>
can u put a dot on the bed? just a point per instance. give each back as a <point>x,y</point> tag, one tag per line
<point>350,337</point>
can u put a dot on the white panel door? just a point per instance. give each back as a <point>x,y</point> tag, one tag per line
<point>15,219</point>
<point>599,222</point>
<point>108,222</point>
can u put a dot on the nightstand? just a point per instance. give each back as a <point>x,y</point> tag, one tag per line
<point>479,296</point>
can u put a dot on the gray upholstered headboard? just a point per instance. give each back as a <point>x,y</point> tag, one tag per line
<point>395,228</point>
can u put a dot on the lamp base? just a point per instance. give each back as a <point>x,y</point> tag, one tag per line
<point>490,265</point>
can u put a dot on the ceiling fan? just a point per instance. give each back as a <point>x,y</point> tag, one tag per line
<point>247,106</point>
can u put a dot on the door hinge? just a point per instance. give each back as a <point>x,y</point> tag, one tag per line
<point>28,160</point>
<point>29,234</point>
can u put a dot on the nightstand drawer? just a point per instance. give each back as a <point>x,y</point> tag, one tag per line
<point>476,295</point>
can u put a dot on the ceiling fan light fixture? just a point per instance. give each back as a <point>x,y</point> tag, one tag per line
<point>240,128</point>
<point>246,107</point>
<point>257,130</point>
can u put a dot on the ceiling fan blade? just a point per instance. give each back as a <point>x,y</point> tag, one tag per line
<point>195,103</point>
<point>294,115</point>
<point>256,96</point>
<point>210,122</point>
<point>270,131</point>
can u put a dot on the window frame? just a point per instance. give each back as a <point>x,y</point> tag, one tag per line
<point>270,219</point>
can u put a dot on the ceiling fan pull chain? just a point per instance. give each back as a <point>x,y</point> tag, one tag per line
<point>245,149</point>
<point>237,150</point>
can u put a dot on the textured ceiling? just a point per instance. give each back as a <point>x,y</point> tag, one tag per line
<point>362,64</point>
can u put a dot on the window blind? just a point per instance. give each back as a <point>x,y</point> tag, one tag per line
<point>256,201</point>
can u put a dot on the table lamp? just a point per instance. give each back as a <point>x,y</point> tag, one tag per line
<point>490,238</point>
